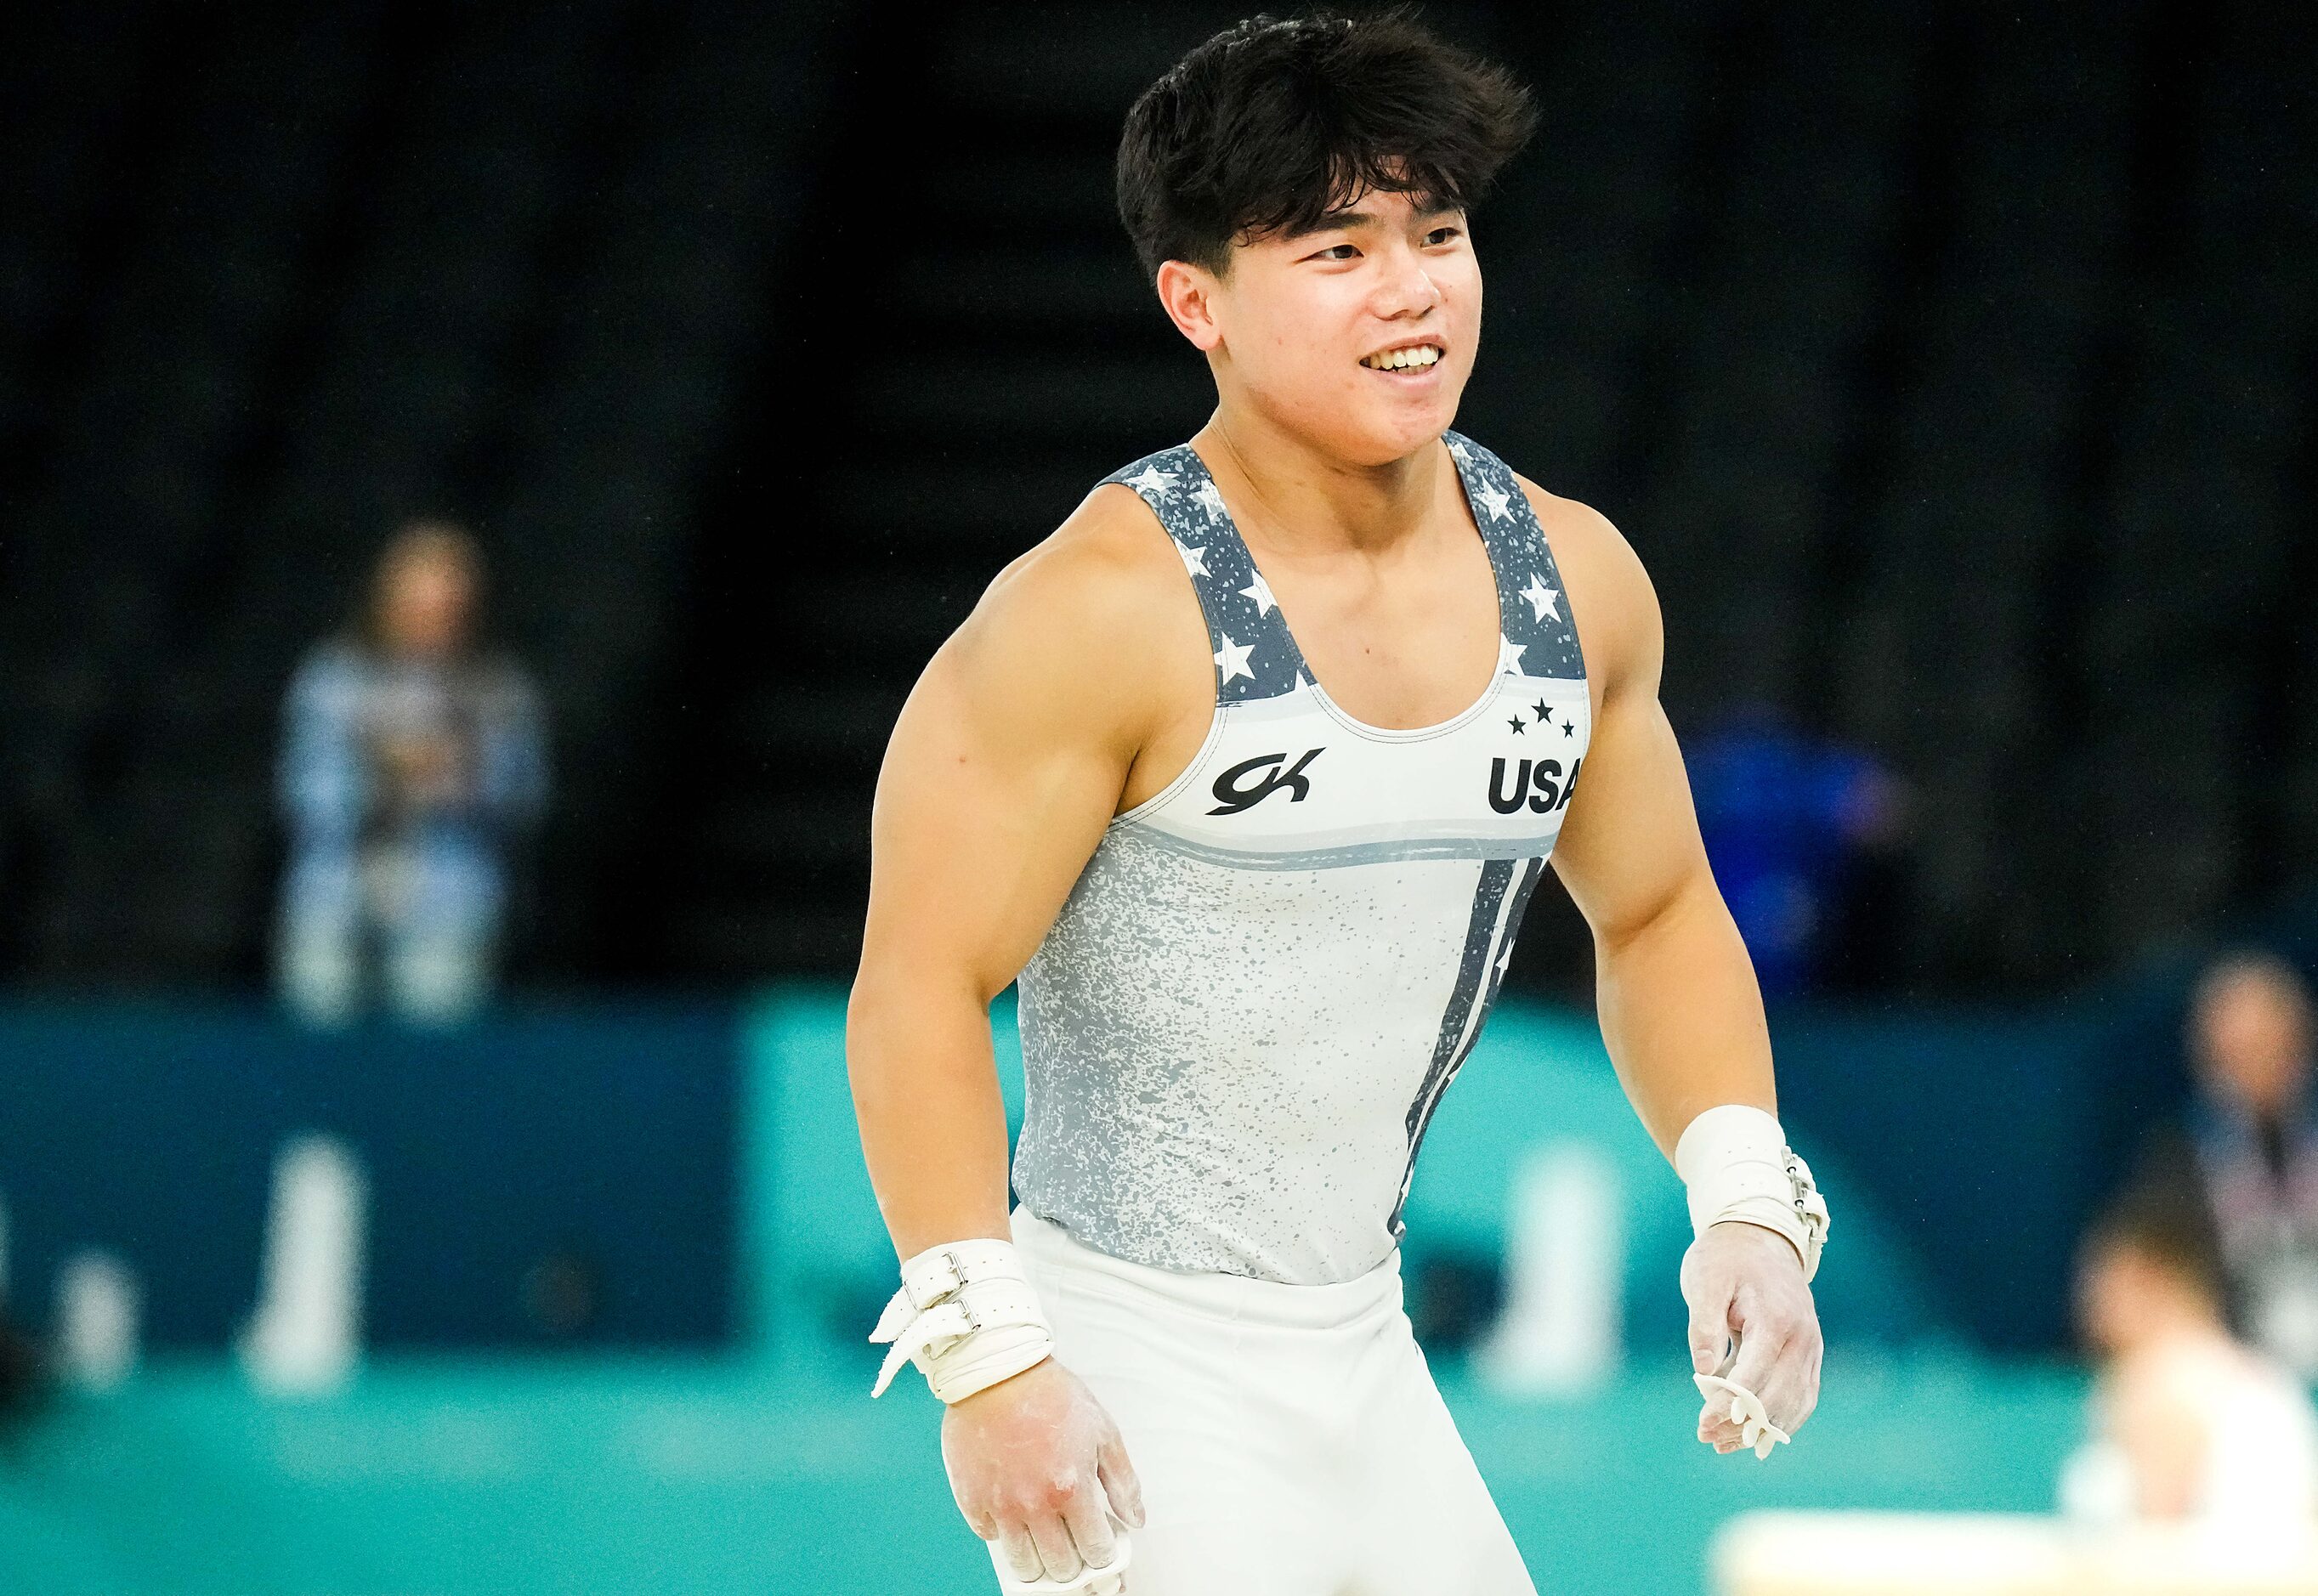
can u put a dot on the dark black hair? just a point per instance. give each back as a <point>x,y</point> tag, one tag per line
<point>1272,124</point>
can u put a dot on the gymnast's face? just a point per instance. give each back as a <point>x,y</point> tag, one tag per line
<point>1357,337</point>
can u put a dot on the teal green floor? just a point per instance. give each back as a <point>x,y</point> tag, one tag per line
<point>666,1478</point>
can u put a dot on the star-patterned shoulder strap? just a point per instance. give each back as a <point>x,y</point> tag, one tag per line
<point>1540,637</point>
<point>1255,657</point>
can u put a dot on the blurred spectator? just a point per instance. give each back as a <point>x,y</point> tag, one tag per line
<point>2188,1423</point>
<point>1784,818</point>
<point>412,763</point>
<point>2243,1160</point>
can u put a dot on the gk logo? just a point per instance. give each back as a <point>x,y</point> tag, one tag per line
<point>1545,776</point>
<point>1235,797</point>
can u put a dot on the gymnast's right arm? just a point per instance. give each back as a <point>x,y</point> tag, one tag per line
<point>1003,772</point>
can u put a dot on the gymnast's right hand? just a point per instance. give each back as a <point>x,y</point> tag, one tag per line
<point>1032,1461</point>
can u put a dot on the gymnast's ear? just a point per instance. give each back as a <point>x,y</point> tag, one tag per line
<point>1188,292</point>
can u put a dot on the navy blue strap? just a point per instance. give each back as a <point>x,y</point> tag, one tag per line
<point>1532,610</point>
<point>1255,657</point>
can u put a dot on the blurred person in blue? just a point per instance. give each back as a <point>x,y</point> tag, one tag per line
<point>2189,1423</point>
<point>2244,1157</point>
<point>413,762</point>
<point>1785,817</point>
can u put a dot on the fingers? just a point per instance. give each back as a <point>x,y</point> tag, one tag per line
<point>1710,1330</point>
<point>1120,1482</point>
<point>1052,1537</point>
<point>1090,1529</point>
<point>1723,1416</point>
<point>1792,1388</point>
<point>1775,1365</point>
<point>1710,1334</point>
<point>1761,1342</point>
<point>1021,1552</point>
<point>1764,1358</point>
<point>1715,1426</point>
<point>1778,1361</point>
<point>1729,1404</point>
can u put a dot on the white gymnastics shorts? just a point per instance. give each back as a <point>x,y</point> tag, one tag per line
<point>1288,1439</point>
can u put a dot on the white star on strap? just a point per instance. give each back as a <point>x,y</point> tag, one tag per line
<point>1541,598</point>
<point>1495,501</point>
<point>1206,496</point>
<point>1509,654</point>
<point>1260,590</point>
<point>1233,659</point>
<point>1152,479</point>
<point>1457,447</point>
<point>1195,560</point>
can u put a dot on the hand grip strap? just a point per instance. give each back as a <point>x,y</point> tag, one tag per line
<point>965,1315</point>
<point>1737,1165</point>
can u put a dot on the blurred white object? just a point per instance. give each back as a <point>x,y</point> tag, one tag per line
<point>306,1336</point>
<point>1560,1329</point>
<point>2261,1448</point>
<point>2254,1433</point>
<point>2097,1489</point>
<point>1876,1554</point>
<point>97,1305</point>
<point>2282,1306</point>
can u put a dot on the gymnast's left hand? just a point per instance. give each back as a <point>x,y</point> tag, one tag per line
<point>1746,1290</point>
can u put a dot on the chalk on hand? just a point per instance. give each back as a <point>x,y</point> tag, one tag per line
<point>1747,1412</point>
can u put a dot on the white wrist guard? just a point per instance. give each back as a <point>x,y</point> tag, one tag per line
<point>966,1314</point>
<point>1737,1164</point>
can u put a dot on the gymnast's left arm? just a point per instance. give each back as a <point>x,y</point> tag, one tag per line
<point>1680,1011</point>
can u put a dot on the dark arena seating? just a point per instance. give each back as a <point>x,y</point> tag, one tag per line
<point>1952,369</point>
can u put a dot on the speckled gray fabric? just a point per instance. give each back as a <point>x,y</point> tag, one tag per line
<point>1243,1018</point>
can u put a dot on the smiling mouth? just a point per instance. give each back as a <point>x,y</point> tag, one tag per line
<point>1415,357</point>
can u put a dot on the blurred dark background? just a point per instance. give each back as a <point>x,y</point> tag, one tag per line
<point>1950,366</point>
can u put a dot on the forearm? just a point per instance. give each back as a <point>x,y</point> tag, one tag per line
<point>1681,1013</point>
<point>932,1120</point>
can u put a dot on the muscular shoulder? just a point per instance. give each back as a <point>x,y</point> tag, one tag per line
<point>1091,626</point>
<point>1610,600</point>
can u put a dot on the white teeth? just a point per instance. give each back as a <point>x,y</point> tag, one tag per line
<point>1392,360</point>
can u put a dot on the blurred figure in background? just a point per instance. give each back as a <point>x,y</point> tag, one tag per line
<point>412,764</point>
<point>1784,818</point>
<point>2243,1160</point>
<point>2188,1423</point>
